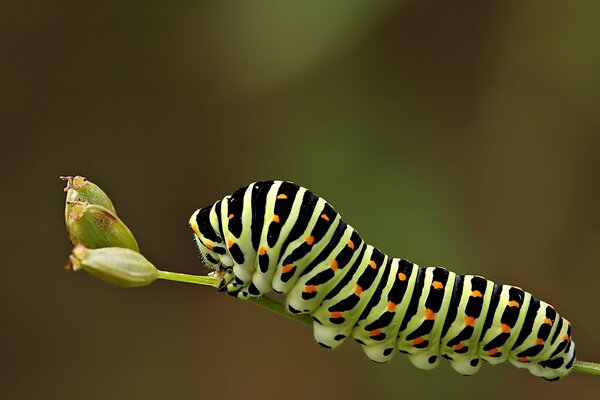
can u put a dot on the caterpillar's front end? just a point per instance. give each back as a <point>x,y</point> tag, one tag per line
<point>211,245</point>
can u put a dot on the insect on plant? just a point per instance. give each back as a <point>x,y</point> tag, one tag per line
<point>278,236</point>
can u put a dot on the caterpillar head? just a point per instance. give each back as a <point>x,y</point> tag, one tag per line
<point>204,223</point>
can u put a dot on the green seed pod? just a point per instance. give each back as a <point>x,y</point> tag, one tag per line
<point>80,189</point>
<point>122,267</point>
<point>96,227</point>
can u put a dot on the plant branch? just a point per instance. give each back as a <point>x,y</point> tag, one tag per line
<point>263,301</point>
<point>186,278</point>
<point>586,367</point>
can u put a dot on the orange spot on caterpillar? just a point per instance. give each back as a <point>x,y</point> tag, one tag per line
<point>513,303</point>
<point>372,264</point>
<point>539,341</point>
<point>230,243</point>
<point>548,321</point>
<point>310,288</point>
<point>429,314</point>
<point>458,346</point>
<point>282,196</point>
<point>310,240</point>
<point>402,276</point>
<point>231,216</point>
<point>566,337</point>
<point>505,328</point>
<point>476,293</point>
<point>437,285</point>
<point>336,314</point>
<point>325,217</point>
<point>523,359</point>
<point>262,251</point>
<point>390,306</point>
<point>357,290</point>
<point>287,268</point>
<point>492,352</point>
<point>351,244</point>
<point>418,340</point>
<point>334,265</point>
<point>276,218</point>
<point>209,246</point>
<point>469,321</point>
<point>375,332</point>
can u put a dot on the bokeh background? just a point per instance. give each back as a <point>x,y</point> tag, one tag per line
<point>463,134</point>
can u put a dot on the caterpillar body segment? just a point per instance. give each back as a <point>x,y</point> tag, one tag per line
<point>278,236</point>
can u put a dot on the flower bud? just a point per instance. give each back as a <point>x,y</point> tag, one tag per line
<point>122,267</point>
<point>80,189</point>
<point>96,227</point>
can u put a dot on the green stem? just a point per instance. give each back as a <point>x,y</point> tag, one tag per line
<point>186,278</point>
<point>584,367</point>
<point>263,301</point>
<point>278,308</point>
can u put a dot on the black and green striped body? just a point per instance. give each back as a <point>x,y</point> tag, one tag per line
<point>275,235</point>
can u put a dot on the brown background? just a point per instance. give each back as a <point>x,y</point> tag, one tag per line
<point>461,134</point>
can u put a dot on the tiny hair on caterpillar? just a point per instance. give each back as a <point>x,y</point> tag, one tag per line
<point>278,236</point>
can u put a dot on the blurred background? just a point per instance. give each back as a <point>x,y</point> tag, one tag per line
<point>463,134</point>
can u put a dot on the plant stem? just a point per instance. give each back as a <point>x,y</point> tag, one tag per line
<point>278,308</point>
<point>186,278</point>
<point>584,367</point>
<point>263,301</point>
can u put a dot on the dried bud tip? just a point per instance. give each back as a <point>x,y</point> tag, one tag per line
<point>80,189</point>
<point>74,182</point>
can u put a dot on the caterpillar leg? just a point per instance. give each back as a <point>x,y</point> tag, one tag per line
<point>343,307</point>
<point>423,321</point>
<point>465,322</point>
<point>465,364</point>
<point>378,331</point>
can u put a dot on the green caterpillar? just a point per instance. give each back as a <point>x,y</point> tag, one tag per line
<point>278,236</point>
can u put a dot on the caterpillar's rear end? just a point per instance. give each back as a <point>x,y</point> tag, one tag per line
<point>275,235</point>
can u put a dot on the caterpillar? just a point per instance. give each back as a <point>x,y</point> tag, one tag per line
<point>278,236</point>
